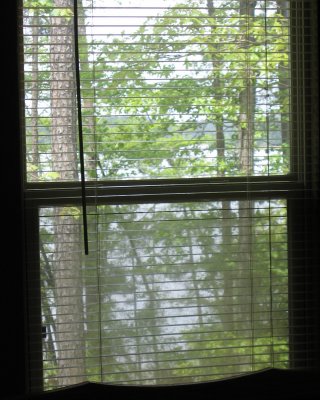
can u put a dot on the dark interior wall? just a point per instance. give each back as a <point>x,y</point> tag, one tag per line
<point>12,315</point>
<point>12,284</point>
<point>265,385</point>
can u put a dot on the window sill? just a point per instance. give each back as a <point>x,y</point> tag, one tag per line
<point>267,384</point>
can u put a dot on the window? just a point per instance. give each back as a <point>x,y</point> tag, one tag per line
<point>199,178</point>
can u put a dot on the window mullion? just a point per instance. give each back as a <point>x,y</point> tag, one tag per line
<point>155,191</point>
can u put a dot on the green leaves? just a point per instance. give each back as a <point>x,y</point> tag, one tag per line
<point>182,71</point>
<point>172,100</point>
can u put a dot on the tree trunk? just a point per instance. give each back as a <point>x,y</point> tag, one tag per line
<point>227,318</point>
<point>247,100</point>
<point>217,87</point>
<point>35,165</point>
<point>284,85</point>
<point>151,313</point>
<point>49,353</point>
<point>67,271</point>
<point>247,97</point>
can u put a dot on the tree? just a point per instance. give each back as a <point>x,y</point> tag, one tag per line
<point>67,259</point>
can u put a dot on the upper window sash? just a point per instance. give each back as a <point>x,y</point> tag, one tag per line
<point>199,91</point>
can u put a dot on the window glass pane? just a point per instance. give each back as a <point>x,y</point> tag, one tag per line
<point>170,293</point>
<point>170,89</point>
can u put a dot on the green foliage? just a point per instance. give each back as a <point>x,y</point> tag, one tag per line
<point>176,299</point>
<point>38,3</point>
<point>158,85</point>
<point>153,103</point>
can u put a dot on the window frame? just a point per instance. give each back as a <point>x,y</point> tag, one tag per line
<point>292,187</point>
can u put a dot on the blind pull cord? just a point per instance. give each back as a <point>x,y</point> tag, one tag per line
<point>80,130</point>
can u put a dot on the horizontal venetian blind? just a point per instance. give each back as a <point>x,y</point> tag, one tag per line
<point>170,89</point>
<point>170,293</point>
